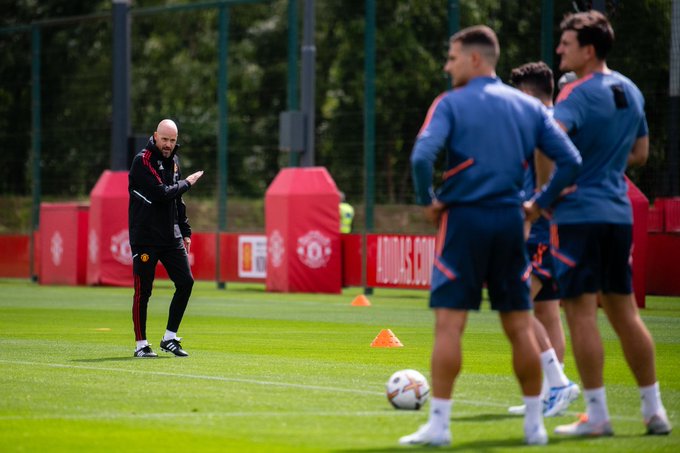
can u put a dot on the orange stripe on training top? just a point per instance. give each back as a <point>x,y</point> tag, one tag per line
<point>430,112</point>
<point>458,168</point>
<point>568,88</point>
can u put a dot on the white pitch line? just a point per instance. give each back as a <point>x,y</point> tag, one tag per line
<point>108,415</point>
<point>197,376</point>
<point>262,382</point>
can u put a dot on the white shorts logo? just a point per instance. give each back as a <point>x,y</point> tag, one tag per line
<point>120,248</point>
<point>314,249</point>
<point>276,248</point>
<point>56,248</point>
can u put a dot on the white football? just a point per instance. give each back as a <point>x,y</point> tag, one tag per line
<point>407,389</point>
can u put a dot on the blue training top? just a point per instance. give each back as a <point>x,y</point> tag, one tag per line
<point>489,131</point>
<point>604,115</point>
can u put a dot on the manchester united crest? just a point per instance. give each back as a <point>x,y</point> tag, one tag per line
<point>314,249</point>
<point>276,248</point>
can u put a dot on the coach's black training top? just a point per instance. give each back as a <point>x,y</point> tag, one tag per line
<point>156,214</point>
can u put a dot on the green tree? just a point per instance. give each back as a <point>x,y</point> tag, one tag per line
<point>174,74</point>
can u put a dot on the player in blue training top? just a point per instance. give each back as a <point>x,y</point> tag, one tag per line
<point>603,112</point>
<point>557,392</point>
<point>488,131</point>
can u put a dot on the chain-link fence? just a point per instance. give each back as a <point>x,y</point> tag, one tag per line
<point>174,74</point>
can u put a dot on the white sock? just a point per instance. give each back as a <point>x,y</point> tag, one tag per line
<point>169,335</point>
<point>553,369</point>
<point>440,413</point>
<point>141,344</point>
<point>596,404</point>
<point>650,397</point>
<point>533,415</point>
<point>545,388</point>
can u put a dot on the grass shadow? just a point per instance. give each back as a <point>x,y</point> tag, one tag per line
<point>483,417</point>
<point>476,445</point>
<point>117,359</point>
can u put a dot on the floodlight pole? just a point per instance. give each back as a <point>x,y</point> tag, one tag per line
<point>222,138</point>
<point>453,7</point>
<point>308,82</point>
<point>369,134</point>
<point>673,156</point>
<point>120,127</point>
<point>547,51</point>
<point>293,100</point>
<point>36,126</point>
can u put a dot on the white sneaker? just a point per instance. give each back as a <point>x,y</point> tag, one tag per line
<point>517,410</point>
<point>585,428</point>
<point>559,399</point>
<point>428,435</point>
<point>536,435</point>
<point>658,424</point>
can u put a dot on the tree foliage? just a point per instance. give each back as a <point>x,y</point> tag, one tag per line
<point>174,74</point>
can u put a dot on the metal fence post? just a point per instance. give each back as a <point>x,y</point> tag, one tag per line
<point>223,135</point>
<point>36,126</point>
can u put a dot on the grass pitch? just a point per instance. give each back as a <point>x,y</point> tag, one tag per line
<point>274,372</point>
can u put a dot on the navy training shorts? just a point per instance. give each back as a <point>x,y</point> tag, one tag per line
<point>593,257</point>
<point>477,245</point>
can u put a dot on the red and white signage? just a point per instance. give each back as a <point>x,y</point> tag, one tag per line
<point>399,261</point>
<point>252,256</point>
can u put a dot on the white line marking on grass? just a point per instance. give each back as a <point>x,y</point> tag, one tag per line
<point>261,382</point>
<point>197,376</point>
<point>165,415</point>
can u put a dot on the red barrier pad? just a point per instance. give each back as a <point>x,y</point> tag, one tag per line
<point>655,217</point>
<point>109,255</point>
<point>672,215</point>
<point>351,259</point>
<point>63,232</point>
<point>663,271</point>
<point>202,256</point>
<point>640,205</point>
<point>303,232</point>
<point>14,259</point>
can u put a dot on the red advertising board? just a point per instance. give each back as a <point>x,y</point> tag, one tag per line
<point>663,271</point>
<point>109,254</point>
<point>399,261</point>
<point>243,257</point>
<point>14,259</point>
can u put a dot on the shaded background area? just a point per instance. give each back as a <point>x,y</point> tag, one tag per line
<point>174,74</point>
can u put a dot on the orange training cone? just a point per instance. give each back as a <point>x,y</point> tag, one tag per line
<point>361,301</point>
<point>386,339</point>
